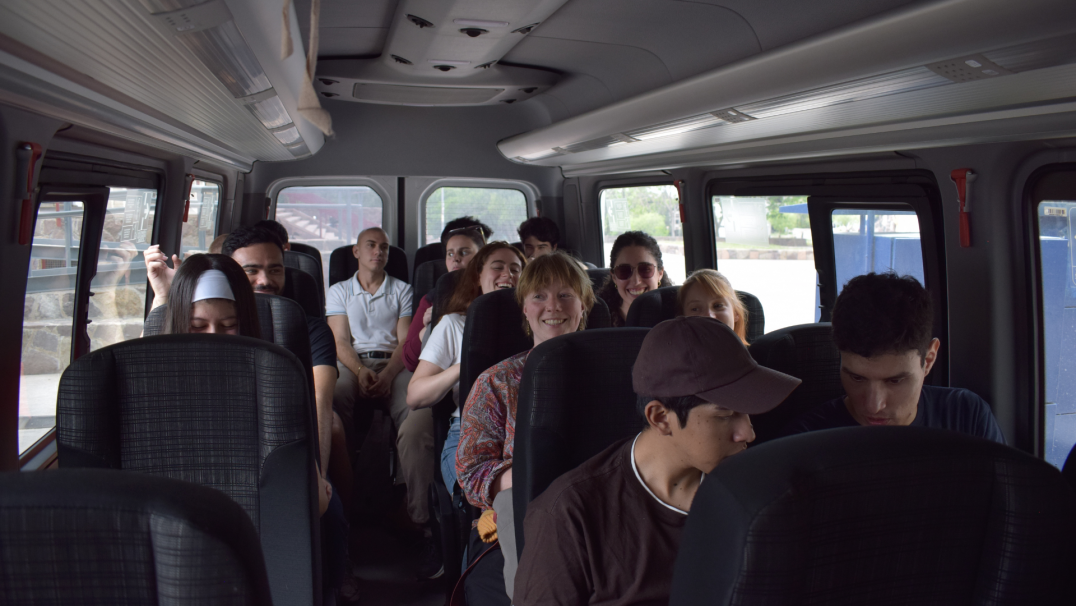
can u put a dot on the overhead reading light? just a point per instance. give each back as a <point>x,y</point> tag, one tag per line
<point>473,32</point>
<point>675,127</point>
<point>444,68</point>
<point>480,23</point>
<point>209,32</point>
<point>419,21</point>
<point>400,59</point>
<point>526,29</point>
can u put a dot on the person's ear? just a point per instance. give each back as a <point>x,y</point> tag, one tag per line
<point>659,417</point>
<point>931,356</point>
<point>355,251</point>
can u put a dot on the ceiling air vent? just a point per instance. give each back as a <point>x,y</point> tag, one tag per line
<point>473,32</point>
<point>396,94</point>
<point>731,115</point>
<point>444,68</point>
<point>400,59</point>
<point>526,29</point>
<point>327,82</point>
<point>967,69</point>
<point>419,21</point>
<point>329,95</point>
<point>529,89</point>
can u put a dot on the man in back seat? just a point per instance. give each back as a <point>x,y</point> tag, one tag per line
<point>607,532</point>
<point>882,325</point>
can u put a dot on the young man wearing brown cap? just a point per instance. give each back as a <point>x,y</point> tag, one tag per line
<point>608,531</point>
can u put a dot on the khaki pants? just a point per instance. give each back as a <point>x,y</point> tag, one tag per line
<point>414,431</point>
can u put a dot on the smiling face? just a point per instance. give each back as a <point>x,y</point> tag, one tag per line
<point>214,317</point>
<point>372,250</point>
<point>711,435</point>
<point>701,301</point>
<point>884,389</point>
<point>635,285</point>
<point>533,247</point>
<point>552,311</point>
<point>458,252</point>
<point>264,265</point>
<point>501,271</point>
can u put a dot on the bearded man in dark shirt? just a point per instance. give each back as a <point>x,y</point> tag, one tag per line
<point>882,325</point>
<point>607,532</point>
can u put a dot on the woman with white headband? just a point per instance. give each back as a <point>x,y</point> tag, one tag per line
<point>211,294</point>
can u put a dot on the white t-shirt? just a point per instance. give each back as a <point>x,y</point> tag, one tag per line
<point>445,348</point>
<point>372,318</point>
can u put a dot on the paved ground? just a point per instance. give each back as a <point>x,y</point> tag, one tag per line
<point>37,407</point>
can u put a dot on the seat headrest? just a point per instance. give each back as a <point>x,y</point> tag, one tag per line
<point>302,288</point>
<point>309,265</point>
<point>598,277</point>
<point>343,264</point>
<point>653,307</point>
<point>426,276</point>
<point>756,317</point>
<point>970,519</point>
<point>430,252</point>
<point>442,291</point>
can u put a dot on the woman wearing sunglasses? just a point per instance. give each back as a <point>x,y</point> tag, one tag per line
<point>637,268</point>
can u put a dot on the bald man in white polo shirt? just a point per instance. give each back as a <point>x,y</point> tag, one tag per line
<point>369,316</point>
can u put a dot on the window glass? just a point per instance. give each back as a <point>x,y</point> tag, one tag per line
<point>328,217</point>
<point>764,247</point>
<point>654,209</point>
<point>48,316</point>
<point>1056,235</point>
<point>201,226</point>
<point>502,209</point>
<point>866,241</point>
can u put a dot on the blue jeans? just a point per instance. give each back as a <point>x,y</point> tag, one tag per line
<point>448,455</point>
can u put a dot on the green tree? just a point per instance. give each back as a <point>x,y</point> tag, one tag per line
<point>651,222</point>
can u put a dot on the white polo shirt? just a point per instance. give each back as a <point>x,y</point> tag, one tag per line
<point>372,317</point>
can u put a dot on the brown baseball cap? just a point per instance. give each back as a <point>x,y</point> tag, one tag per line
<point>703,357</point>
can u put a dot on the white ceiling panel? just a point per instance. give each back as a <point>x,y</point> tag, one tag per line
<point>351,41</point>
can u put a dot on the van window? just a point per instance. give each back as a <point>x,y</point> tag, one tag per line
<point>764,247</point>
<point>201,226</point>
<point>1058,325</point>
<point>502,209</point>
<point>654,209</point>
<point>878,241</point>
<point>328,216</point>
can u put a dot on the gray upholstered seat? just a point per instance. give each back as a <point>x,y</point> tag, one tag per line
<point>655,306</point>
<point>310,265</point>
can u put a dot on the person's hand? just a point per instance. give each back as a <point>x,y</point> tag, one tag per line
<point>367,380</point>
<point>383,387</point>
<point>325,492</point>
<point>160,275</point>
<point>426,317</point>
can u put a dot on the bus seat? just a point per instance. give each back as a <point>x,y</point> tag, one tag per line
<point>426,276</point>
<point>441,292</point>
<point>232,413</point>
<point>302,288</point>
<point>659,305</point>
<point>598,277</point>
<point>806,352</point>
<point>575,400</point>
<point>310,265</point>
<point>343,264</point>
<point>517,245</point>
<point>430,252</point>
<point>1069,469</point>
<point>879,515</point>
<point>110,537</point>
<point>313,252</point>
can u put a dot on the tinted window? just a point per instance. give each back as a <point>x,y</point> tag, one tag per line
<point>866,241</point>
<point>654,209</point>
<point>1056,235</point>
<point>501,209</point>
<point>201,226</point>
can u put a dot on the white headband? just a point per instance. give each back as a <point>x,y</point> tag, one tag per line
<point>212,284</point>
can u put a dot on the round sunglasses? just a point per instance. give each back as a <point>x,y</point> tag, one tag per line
<point>624,271</point>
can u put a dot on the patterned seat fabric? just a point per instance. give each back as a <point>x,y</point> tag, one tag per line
<point>343,264</point>
<point>313,252</point>
<point>575,400</point>
<point>302,288</point>
<point>110,537</point>
<point>230,413</point>
<point>309,265</point>
<point>879,515</point>
<point>656,306</point>
<point>425,254</point>
<point>806,352</point>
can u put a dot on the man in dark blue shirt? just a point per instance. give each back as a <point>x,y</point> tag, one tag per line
<point>882,327</point>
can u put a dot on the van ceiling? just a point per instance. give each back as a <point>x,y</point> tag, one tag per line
<point>609,50</point>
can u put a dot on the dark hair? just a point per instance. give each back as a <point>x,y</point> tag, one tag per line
<point>681,405</point>
<point>185,282</point>
<point>608,291</point>
<point>278,229</point>
<point>468,287</point>
<point>474,234</point>
<point>543,229</point>
<point>466,221</point>
<point>249,236</point>
<point>883,314</point>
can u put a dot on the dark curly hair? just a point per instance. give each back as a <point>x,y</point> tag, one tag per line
<point>879,314</point>
<point>249,236</point>
<point>275,227</point>
<point>543,229</point>
<point>186,281</point>
<point>608,291</point>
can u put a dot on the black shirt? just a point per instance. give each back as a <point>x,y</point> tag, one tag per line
<point>322,343</point>
<point>939,407</point>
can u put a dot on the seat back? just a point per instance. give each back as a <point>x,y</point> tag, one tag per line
<point>313,252</point>
<point>575,400</point>
<point>230,413</point>
<point>426,277</point>
<point>598,277</point>
<point>656,306</point>
<point>806,352</point>
<point>343,264</point>
<point>879,515</point>
<point>302,288</point>
<point>109,537</point>
<point>442,291</point>
<point>494,332</point>
<point>310,265</point>
<point>425,254</point>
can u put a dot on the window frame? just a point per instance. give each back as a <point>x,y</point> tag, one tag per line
<point>530,196</point>
<point>207,178</point>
